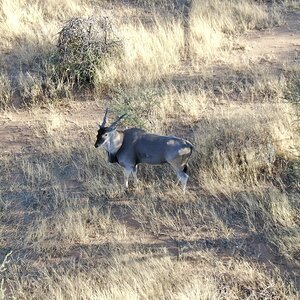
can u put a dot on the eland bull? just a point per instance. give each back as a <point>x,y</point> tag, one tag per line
<point>133,146</point>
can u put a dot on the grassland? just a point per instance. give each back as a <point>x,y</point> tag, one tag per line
<point>69,230</point>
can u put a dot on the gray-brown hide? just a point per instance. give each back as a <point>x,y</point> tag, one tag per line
<point>133,146</point>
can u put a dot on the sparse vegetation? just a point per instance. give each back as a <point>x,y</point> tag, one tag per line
<point>68,230</point>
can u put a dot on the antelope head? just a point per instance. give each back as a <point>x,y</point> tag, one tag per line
<point>106,136</point>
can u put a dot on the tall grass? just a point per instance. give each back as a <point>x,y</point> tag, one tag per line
<point>152,52</point>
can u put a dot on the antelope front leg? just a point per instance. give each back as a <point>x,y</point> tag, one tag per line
<point>134,173</point>
<point>126,177</point>
<point>183,178</point>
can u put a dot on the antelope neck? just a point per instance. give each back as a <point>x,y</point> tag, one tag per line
<point>115,142</point>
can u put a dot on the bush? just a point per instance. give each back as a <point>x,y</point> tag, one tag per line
<point>83,45</point>
<point>138,104</point>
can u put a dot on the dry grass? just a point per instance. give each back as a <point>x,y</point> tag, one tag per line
<point>67,227</point>
<point>156,51</point>
<point>151,51</point>
<point>161,278</point>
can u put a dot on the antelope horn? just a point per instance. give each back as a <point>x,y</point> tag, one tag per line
<point>104,118</point>
<point>114,124</point>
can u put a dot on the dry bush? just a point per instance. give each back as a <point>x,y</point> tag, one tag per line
<point>83,45</point>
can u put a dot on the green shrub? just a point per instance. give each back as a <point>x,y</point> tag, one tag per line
<point>138,103</point>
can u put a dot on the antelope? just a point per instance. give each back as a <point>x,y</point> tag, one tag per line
<point>133,146</point>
